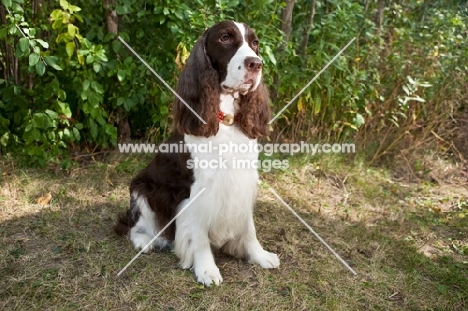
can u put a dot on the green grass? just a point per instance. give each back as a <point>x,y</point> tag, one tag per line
<point>407,242</point>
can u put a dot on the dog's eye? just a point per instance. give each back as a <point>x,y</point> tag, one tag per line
<point>255,43</point>
<point>225,38</point>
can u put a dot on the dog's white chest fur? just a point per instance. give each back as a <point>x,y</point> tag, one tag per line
<point>229,176</point>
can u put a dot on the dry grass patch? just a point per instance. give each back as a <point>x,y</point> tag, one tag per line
<point>64,256</point>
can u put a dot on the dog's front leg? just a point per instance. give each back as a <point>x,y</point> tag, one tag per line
<point>255,252</point>
<point>204,266</point>
<point>193,248</point>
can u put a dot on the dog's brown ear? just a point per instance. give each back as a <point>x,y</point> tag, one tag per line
<point>198,85</point>
<point>254,113</point>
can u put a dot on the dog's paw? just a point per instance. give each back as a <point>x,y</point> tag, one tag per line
<point>140,241</point>
<point>208,275</point>
<point>265,259</point>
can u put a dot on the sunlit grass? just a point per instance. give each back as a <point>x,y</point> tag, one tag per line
<point>407,243</point>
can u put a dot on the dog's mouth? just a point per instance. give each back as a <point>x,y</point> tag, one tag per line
<point>242,88</point>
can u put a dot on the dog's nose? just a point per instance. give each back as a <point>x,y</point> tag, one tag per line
<point>253,64</point>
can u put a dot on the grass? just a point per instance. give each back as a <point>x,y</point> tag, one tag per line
<point>407,242</point>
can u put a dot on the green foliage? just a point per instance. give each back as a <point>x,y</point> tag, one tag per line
<point>422,63</point>
<point>67,81</point>
<point>75,81</point>
<point>336,101</point>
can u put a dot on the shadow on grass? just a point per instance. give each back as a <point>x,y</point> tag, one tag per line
<point>66,257</point>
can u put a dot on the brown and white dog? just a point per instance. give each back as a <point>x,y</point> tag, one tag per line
<point>222,77</point>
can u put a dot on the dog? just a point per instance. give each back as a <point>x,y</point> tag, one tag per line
<point>222,83</point>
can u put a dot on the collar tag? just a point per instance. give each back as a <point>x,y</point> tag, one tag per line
<point>227,119</point>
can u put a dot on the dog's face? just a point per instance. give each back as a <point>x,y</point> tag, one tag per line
<point>223,61</point>
<point>233,51</point>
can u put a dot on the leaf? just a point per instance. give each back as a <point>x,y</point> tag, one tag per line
<point>121,75</point>
<point>116,46</point>
<point>81,59</point>
<point>44,200</point>
<point>96,67</point>
<point>89,59</point>
<point>64,109</point>
<point>406,89</point>
<point>66,133</point>
<point>51,136</point>
<point>418,99</point>
<point>70,48</point>
<point>317,105</point>
<point>36,134</point>
<point>76,133</point>
<point>40,68</point>
<point>24,44</point>
<point>97,87</point>
<point>52,62</point>
<point>122,9</point>
<point>300,104</point>
<point>110,130</point>
<point>33,59</point>
<point>4,139</point>
<point>73,8</point>
<point>52,114</point>
<point>128,104</point>
<point>425,84</point>
<point>86,84</point>
<point>56,15</point>
<point>358,120</point>
<point>64,4</point>
<point>7,3</point>
<point>18,52</point>
<point>44,44</point>
<point>94,130</point>
<point>270,55</point>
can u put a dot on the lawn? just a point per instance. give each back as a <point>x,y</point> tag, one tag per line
<point>407,241</point>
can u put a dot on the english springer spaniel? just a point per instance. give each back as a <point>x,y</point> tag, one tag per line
<point>222,83</point>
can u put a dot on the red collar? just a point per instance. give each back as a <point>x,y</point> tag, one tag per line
<point>226,118</point>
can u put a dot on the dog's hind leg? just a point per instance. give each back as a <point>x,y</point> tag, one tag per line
<point>145,228</point>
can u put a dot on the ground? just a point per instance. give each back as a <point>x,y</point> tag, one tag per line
<point>408,243</point>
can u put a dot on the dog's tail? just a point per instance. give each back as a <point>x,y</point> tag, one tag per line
<point>124,223</point>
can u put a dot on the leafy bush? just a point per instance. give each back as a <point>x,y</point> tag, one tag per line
<point>68,84</point>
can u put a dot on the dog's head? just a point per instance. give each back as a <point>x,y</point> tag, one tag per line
<point>233,51</point>
<point>224,60</point>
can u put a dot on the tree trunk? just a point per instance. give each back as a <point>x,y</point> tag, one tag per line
<point>379,16</point>
<point>286,21</point>
<point>310,24</point>
<point>286,27</point>
<point>5,66</point>
<point>112,19</point>
<point>112,22</point>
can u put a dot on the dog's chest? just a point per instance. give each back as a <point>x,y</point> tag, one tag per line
<point>227,168</point>
<point>230,179</point>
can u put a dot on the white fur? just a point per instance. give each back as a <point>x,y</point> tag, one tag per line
<point>223,214</point>
<point>145,229</point>
<point>236,71</point>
